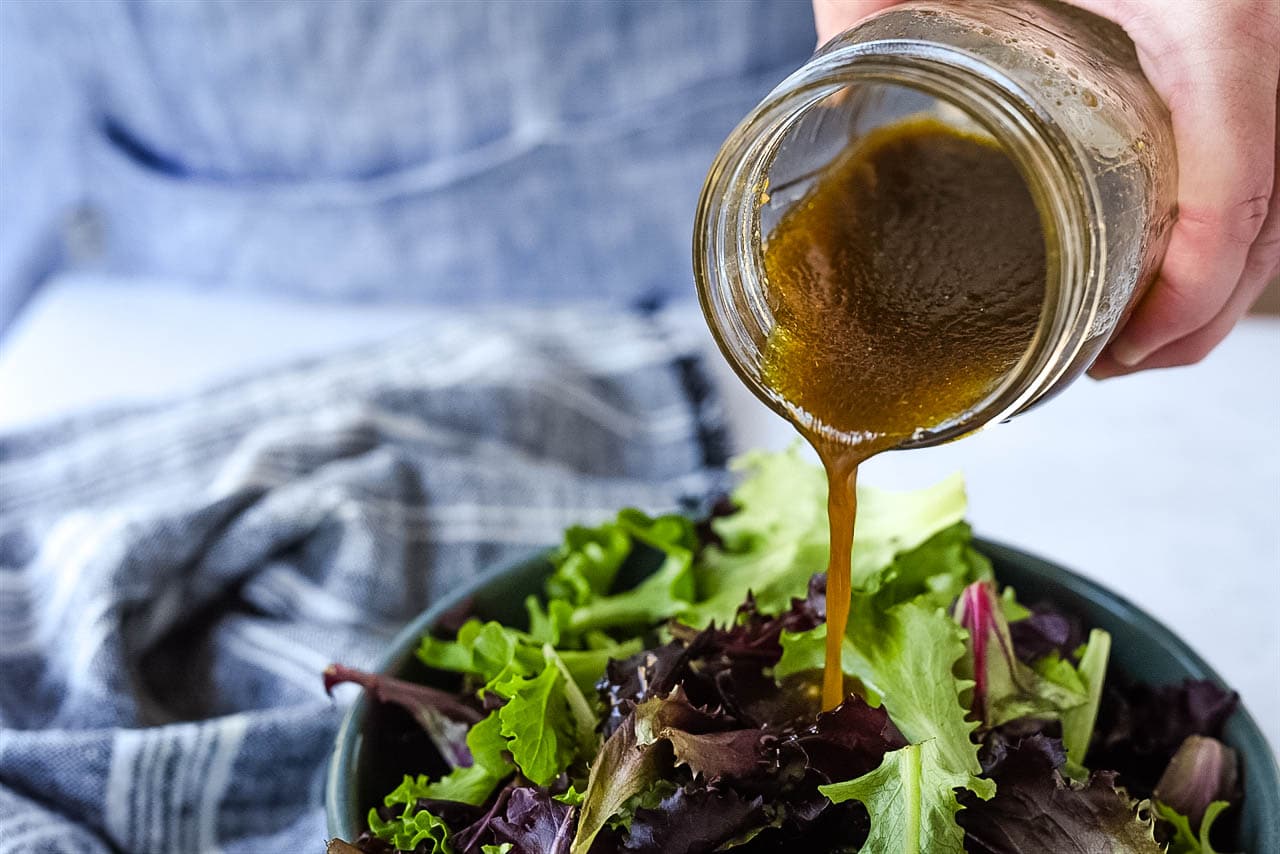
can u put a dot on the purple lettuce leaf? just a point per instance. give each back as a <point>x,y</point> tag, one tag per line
<point>443,716</point>
<point>1035,809</point>
<point>1140,727</point>
<point>534,823</point>
<point>695,819</point>
<point>1046,630</point>
<point>707,742</point>
<point>998,742</point>
<point>726,668</point>
<point>848,741</point>
<point>647,674</point>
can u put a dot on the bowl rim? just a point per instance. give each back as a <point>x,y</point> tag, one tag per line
<point>347,738</point>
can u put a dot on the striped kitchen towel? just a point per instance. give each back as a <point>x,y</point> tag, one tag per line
<point>174,579</point>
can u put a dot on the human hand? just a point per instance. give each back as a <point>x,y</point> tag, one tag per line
<point>1216,64</point>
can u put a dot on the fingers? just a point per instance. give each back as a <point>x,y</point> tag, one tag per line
<point>832,17</point>
<point>1216,65</point>
<point>1194,347</point>
<point>1220,85</point>
<point>1261,266</point>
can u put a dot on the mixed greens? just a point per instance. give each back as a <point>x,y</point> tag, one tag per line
<point>681,715</point>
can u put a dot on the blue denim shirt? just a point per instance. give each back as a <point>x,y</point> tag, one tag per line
<point>459,152</point>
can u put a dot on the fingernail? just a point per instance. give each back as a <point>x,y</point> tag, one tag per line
<point>1104,368</point>
<point>1126,352</point>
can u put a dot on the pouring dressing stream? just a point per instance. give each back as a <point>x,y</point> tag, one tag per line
<point>906,284</point>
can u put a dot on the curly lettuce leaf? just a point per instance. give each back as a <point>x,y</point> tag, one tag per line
<point>490,651</point>
<point>912,802</point>
<point>587,562</point>
<point>544,718</point>
<point>848,741</point>
<point>536,719</point>
<point>666,592</point>
<point>906,657</point>
<point>473,784</point>
<point>705,742</point>
<point>935,572</point>
<point>779,536</point>
<point>1036,809</point>
<point>911,652</point>
<point>407,833</point>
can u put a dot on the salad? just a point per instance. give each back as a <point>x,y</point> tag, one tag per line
<point>682,716</point>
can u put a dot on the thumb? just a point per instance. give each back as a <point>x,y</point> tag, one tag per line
<point>832,17</point>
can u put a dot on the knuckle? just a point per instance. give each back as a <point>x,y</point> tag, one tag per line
<point>1237,222</point>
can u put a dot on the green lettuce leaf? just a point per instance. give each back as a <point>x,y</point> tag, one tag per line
<point>1186,841</point>
<point>407,833</point>
<point>545,720</point>
<point>543,739</point>
<point>933,573</point>
<point>663,594</point>
<point>905,656</point>
<point>895,523</point>
<point>912,802</point>
<point>587,563</point>
<point>910,653</point>
<point>473,784</point>
<point>490,651</point>
<point>1078,723</point>
<point>779,536</point>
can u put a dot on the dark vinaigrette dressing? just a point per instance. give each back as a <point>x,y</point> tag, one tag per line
<point>905,285</point>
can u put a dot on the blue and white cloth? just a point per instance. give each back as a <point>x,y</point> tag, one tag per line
<point>173,581</point>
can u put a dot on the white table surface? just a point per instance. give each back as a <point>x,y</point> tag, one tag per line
<point>1164,486</point>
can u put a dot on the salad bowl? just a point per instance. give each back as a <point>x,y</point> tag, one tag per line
<point>368,757</point>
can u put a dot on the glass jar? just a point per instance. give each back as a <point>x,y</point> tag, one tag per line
<point>1059,89</point>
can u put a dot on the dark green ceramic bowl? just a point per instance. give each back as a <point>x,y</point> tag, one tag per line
<point>368,761</point>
